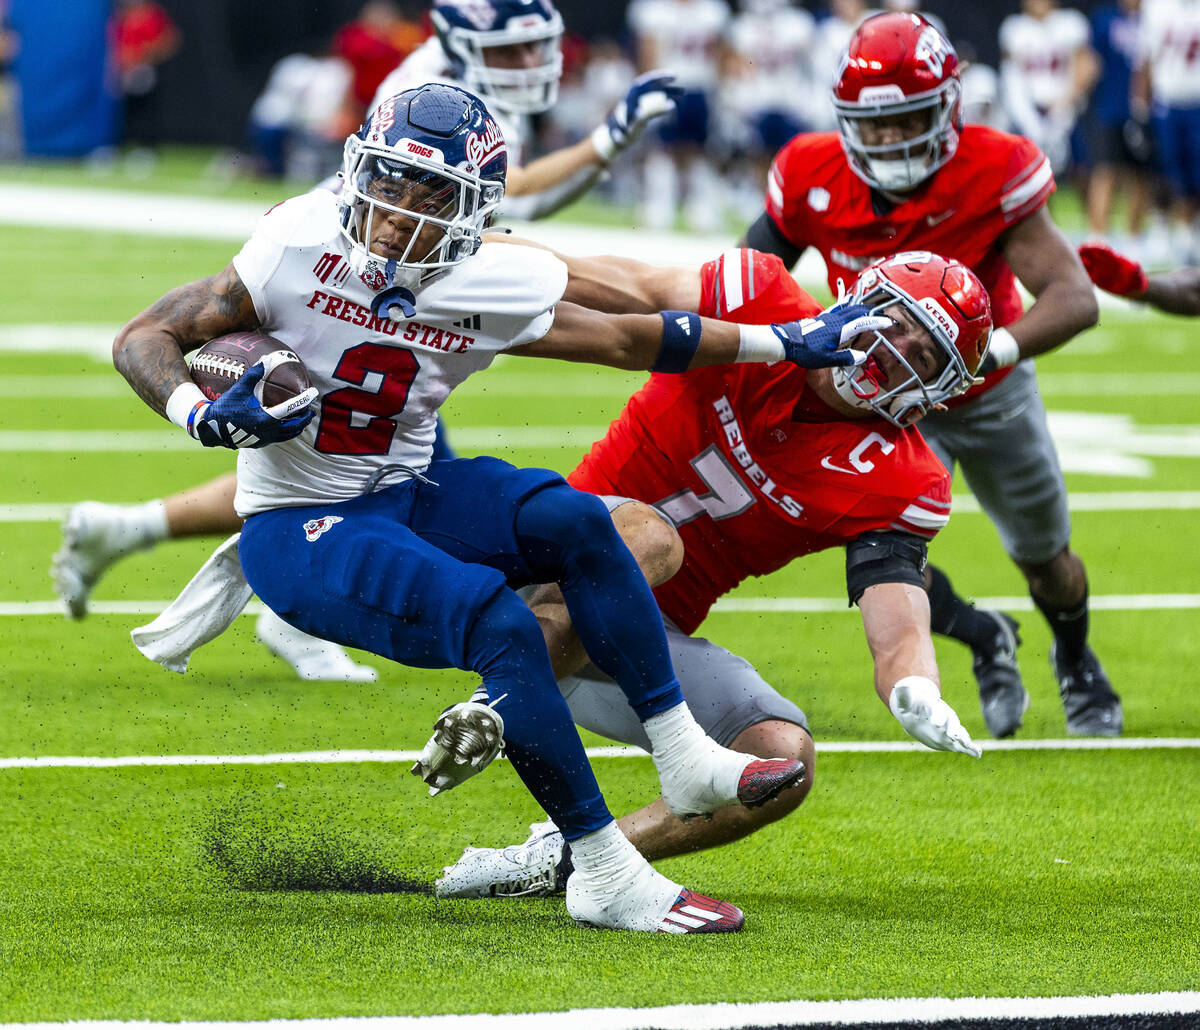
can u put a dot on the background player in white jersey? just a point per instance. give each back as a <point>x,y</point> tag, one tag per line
<point>687,36</point>
<point>1047,71</point>
<point>1167,84</point>
<point>370,289</point>
<point>508,52</point>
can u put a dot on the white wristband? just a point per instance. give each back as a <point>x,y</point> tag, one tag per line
<point>1003,348</point>
<point>181,402</point>
<point>758,343</point>
<point>603,143</point>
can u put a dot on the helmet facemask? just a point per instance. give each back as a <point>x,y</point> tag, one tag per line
<point>411,215</point>
<point>523,90</point>
<point>900,166</point>
<point>911,396</point>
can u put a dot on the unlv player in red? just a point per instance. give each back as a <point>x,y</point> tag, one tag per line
<point>903,172</point>
<point>757,466</point>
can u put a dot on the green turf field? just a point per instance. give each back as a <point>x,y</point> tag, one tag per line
<point>207,892</point>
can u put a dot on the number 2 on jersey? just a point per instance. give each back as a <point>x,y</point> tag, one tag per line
<point>358,419</point>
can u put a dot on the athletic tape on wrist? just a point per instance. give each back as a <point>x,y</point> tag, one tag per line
<point>181,405</point>
<point>680,338</point>
<point>1003,348</point>
<point>759,343</point>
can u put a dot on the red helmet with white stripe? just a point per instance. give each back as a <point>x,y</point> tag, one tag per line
<point>898,99</point>
<point>947,300</point>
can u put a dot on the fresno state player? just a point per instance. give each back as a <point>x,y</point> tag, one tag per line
<point>758,466</point>
<point>903,172</point>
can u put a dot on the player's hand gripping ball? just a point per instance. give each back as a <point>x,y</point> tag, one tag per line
<point>259,390</point>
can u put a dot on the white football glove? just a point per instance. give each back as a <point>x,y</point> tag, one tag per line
<point>650,96</point>
<point>918,706</point>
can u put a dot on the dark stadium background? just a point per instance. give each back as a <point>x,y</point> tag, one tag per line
<point>230,46</point>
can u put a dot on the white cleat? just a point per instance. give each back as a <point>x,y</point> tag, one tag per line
<point>311,657</point>
<point>94,536</point>
<point>650,903</point>
<point>709,777</point>
<point>533,869</point>
<point>466,738</point>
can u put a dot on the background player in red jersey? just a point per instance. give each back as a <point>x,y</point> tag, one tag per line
<point>903,172</point>
<point>758,466</point>
<point>1177,292</point>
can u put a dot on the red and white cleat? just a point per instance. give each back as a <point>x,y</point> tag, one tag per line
<point>696,913</point>
<point>765,779</point>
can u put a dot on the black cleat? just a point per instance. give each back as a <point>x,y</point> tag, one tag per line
<point>1002,696</point>
<point>1092,706</point>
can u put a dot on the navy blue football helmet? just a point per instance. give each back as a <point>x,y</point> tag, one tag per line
<point>521,80</point>
<point>420,182</point>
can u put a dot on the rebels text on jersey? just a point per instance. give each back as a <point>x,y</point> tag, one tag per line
<point>750,465</point>
<point>381,380</point>
<point>993,181</point>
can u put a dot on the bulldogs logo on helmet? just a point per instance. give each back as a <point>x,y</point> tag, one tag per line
<point>947,299</point>
<point>895,65</point>
<point>434,157</point>
<point>468,29</point>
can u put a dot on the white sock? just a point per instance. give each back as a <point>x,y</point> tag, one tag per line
<point>605,856</point>
<point>148,522</point>
<point>680,745</point>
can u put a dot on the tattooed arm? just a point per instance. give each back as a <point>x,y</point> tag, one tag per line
<point>149,351</point>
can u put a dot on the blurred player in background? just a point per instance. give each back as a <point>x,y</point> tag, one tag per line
<point>758,467</point>
<point>688,37</point>
<point>903,172</point>
<point>1047,70</point>
<point>833,35</point>
<point>1118,142</point>
<point>349,538</point>
<point>372,45</point>
<point>1167,84</point>
<point>508,51</point>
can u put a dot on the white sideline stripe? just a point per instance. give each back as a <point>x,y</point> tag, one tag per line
<point>1134,500</point>
<point>352,757</point>
<point>708,1017</point>
<point>728,605</point>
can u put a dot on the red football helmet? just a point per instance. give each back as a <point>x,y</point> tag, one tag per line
<point>947,299</point>
<point>896,65</point>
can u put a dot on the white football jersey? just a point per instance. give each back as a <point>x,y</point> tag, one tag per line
<point>381,381</point>
<point>777,49</point>
<point>428,64</point>
<point>686,35</point>
<point>1169,42</point>
<point>1042,51</point>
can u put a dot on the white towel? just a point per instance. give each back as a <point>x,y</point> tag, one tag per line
<point>204,609</point>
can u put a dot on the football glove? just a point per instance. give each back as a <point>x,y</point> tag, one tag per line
<point>1112,271</point>
<point>917,704</point>
<point>651,96</point>
<point>818,342</point>
<point>237,419</point>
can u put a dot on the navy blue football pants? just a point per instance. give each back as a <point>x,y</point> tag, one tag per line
<point>423,573</point>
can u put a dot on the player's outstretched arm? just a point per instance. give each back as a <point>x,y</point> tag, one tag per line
<point>1176,292</point>
<point>149,350</point>
<point>1047,265</point>
<point>896,619</point>
<point>676,341</point>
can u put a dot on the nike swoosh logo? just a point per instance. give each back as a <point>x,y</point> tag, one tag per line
<point>827,464</point>
<point>932,220</point>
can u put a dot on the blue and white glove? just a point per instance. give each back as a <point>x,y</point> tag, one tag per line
<point>237,419</point>
<point>917,704</point>
<point>818,342</point>
<point>650,96</point>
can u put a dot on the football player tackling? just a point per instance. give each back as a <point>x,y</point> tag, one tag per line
<point>904,172</point>
<point>352,535</point>
<point>758,466</point>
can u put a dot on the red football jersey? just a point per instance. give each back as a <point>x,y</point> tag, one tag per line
<point>993,181</point>
<point>750,464</point>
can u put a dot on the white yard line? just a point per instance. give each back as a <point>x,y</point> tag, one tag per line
<point>358,757</point>
<point>1131,500</point>
<point>726,606</point>
<point>722,1016</point>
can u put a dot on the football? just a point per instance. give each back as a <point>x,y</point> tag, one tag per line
<point>222,362</point>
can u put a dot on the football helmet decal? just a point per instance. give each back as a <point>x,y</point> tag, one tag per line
<point>950,303</point>
<point>898,100</point>
<point>420,182</point>
<point>523,79</point>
